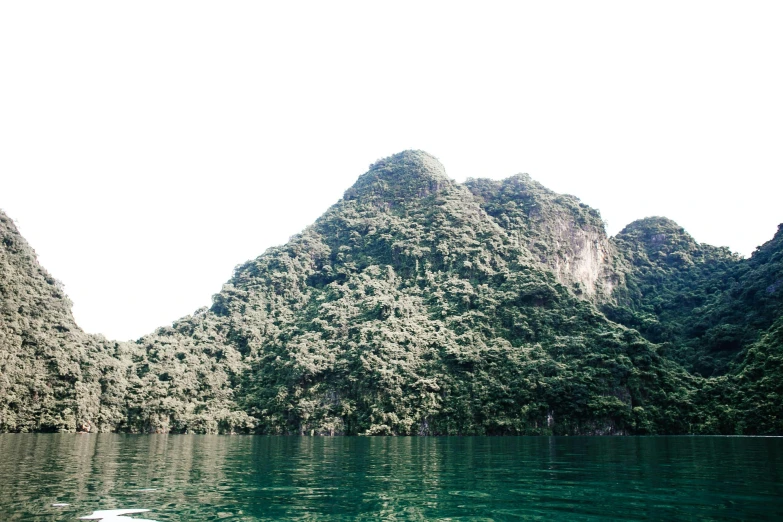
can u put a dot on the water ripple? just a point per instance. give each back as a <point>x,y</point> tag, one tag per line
<point>210,478</point>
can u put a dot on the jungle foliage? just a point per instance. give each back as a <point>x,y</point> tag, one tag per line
<point>418,306</point>
<point>704,304</point>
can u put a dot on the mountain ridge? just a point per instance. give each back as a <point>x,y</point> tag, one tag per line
<point>416,305</point>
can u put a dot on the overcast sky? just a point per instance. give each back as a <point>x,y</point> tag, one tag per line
<point>147,148</point>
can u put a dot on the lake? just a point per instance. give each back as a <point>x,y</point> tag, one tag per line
<point>247,478</point>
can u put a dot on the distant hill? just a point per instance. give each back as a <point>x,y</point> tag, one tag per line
<point>419,306</point>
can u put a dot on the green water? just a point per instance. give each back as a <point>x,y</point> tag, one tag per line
<point>192,478</point>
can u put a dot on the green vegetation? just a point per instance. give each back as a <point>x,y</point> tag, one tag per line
<point>419,306</point>
<point>703,303</point>
<point>54,377</point>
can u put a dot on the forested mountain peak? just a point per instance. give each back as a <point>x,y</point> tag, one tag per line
<point>658,236</point>
<point>678,292</point>
<point>407,175</point>
<point>408,309</point>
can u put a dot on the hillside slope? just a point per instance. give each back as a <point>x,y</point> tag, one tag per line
<point>52,375</point>
<point>706,304</point>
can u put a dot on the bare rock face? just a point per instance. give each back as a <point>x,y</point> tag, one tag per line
<point>581,257</point>
<point>564,235</point>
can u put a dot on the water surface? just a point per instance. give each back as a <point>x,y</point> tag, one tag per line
<point>244,478</point>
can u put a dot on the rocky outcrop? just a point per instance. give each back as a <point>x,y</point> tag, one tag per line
<point>564,235</point>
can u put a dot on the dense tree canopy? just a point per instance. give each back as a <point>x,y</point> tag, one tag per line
<point>705,304</point>
<point>416,305</point>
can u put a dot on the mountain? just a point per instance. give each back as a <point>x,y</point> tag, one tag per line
<point>407,309</point>
<point>416,305</point>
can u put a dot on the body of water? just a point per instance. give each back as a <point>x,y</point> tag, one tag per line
<point>54,477</point>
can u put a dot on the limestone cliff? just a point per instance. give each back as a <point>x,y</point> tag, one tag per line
<point>565,235</point>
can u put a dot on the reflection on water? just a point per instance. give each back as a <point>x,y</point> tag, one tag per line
<point>193,478</point>
<point>116,515</point>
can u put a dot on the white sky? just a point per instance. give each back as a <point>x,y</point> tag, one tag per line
<point>148,147</point>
